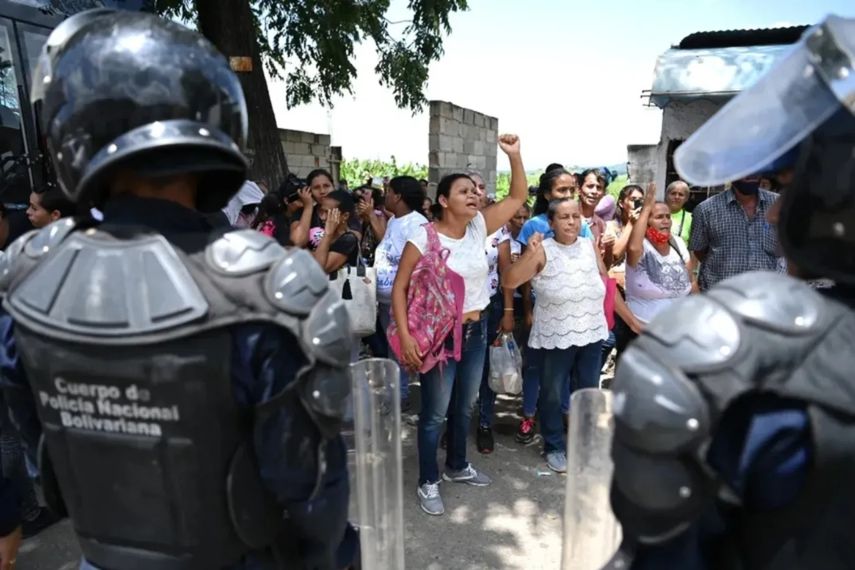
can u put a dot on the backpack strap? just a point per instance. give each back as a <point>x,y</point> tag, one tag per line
<point>433,243</point>
<point>673,244</point>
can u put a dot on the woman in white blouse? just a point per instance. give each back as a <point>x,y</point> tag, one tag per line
<point>452,389</point>
<point>569,321</point>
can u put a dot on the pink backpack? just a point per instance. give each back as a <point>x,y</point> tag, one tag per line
<point>434,306</point>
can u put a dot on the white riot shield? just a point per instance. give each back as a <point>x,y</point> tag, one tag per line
<point>591,532</point>
<point>379,467</point>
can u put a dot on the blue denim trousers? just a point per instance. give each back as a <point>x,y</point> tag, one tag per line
<point>564,370</point>
<point>451,390</point>
<point>384,314</point>
<point>13,463</point>
<point>486,396</point>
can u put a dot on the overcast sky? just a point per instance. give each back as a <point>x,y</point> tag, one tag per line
<point>565,75</point>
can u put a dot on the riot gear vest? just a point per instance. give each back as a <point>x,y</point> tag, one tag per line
<point>758,333</point>
<point>125,338</point>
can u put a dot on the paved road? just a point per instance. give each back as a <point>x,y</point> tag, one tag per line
<point>513,524</point>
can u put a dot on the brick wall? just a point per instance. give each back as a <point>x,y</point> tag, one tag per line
<point>307,151</point>
<point>461,138</point>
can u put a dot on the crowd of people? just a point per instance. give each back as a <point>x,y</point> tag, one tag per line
<point>573,273</point>
<point>179,389</point>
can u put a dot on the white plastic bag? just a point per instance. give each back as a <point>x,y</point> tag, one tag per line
<point>358,289</point>
<point>505,365</point>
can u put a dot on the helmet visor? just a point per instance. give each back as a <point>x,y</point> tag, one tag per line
<point>760,124</point>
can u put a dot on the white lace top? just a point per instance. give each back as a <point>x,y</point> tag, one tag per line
<point>570,294</point>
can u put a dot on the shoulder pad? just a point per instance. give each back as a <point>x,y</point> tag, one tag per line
<point>696,332</point>
<point>242,252</point>
<point>296,282</point>
<point>49,237</point>
<point>327,330</point>
<point>657,409</point>
<point>99,288</point>
<point>772,301</point>
<point>10,258</point>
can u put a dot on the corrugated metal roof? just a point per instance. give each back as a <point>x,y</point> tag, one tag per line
<point>712,72</point>
<point>742,38</point>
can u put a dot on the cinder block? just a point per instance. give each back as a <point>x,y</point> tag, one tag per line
<point>300,148</point>
<point>491,163</point>
<point>468,117</point>
<point>478,147</point>
<point>445,143</point>
<point>325,140</point>
<point>457,113</point>
<point>434,126</point>
<point>494,124</point>
<point>320,150</point>
<point>492,135</point>
<point>447,126</point>
<point>433,142</point>
<point>307,137</point>
<point>478,162</point>
<point>445,110</point>
<point>435,108</point>
<point>457,144</point>
<point>433,159</point>
<point>479,120</point>
<point>434,174</point>
<point>468,147</point>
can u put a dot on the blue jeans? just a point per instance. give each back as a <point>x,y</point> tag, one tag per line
<point>486,396</point>
<point>532,374</point>
<point>384,313</point>
<point>13,464</point>
<point>561,366</point>
<point>608,345</point>
<point>451,389</point>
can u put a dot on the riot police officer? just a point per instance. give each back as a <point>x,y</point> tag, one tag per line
<point>735,410</point>
<point>190,383</point>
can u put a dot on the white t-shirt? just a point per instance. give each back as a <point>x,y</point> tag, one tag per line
<point>389,251</point>
<point>491,247</point>
<point>657,280</point>
<point>467,259</point>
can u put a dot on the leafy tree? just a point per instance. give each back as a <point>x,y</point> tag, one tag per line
<point>355,170</point>
<point>310,44</point>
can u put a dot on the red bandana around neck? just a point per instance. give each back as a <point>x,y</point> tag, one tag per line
<point>657,237</point>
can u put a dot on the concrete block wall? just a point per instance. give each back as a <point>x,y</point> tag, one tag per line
<point>308,151</point>
<point>461,139</point>
<point>680,119</point>
<point>642,162</point>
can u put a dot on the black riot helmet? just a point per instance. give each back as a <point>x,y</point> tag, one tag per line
<point>800,114</point>
<point>127,90</point>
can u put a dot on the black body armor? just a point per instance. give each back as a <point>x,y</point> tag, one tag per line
<point>126,342</point>
<point>758,333</point>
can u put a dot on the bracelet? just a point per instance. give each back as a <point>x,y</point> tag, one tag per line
<point>509,310</point>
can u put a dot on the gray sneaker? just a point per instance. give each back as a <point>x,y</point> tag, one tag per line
<point>429,499</point>
<point>557,461</point>
<point>467,475</point>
